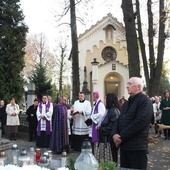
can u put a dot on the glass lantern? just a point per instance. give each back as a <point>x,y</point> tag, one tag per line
<point>50,156</point>
<point>3,158</point>
<point>32,155</point>
<point>47,155</point>
<point>23,159</point>
<point>43,161</point>
<point>86,159</point>
<point>63,159</point>
<point>15,152</point>
<point>38,154</point>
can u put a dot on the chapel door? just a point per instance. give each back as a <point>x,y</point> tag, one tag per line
<point>112,84</point>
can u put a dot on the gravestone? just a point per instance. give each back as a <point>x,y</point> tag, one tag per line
<point>30,94</point>
<point>5,145</point>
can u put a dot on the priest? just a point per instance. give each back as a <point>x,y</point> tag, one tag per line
<point>44,117</point>
<point>82,110</point>
<point>60,138</point>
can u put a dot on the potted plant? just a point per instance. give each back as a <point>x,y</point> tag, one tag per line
<point>70,163</point>
<point>107,165</point>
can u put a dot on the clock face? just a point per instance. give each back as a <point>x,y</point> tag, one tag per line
<point>109,54</point>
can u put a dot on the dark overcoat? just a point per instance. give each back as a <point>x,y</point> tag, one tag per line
<point>134,122</point>
<point>165,119</point>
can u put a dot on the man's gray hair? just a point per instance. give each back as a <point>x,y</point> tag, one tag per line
<point>139,81</point>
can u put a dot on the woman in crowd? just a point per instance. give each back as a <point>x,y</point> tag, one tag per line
<point>165,119</point>
<point>106,149</point>
<point>157,116</point>
<point>12,110</point>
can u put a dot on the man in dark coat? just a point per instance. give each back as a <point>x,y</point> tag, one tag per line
<point>32,120</point>
<point>3,116</point>
<point>60,138</point>
<point>131,129</point>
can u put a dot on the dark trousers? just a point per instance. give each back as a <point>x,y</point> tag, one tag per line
<point>114,151</point>
<point>77,141</point>
<point>136,159</point>
<point>167,133</point>
<point>43,141</point>
<point>32,132</point>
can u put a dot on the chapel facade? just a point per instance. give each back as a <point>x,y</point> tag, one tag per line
<point>103,58</point>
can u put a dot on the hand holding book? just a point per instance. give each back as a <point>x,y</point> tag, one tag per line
<point>75,113</point>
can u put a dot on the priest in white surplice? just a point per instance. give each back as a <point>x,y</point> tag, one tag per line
<point>82,110</point>
<point>44,128</point>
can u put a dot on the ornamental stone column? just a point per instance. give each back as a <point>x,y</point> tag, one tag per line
<point>95,71</point>
<point>95,67</point>
<point>85,88</point>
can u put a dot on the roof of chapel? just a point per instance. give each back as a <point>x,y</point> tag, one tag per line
<point>102,24</point>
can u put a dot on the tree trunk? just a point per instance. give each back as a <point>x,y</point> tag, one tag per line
<point>131,38</point>
<point>142,46</point>
<point>155,64</point>
<point>74,52</point>
<point>61,71</point>
<point>155,85</point>
<point>151,35</point>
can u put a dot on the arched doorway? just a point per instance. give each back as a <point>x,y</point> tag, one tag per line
<point>113,84</point>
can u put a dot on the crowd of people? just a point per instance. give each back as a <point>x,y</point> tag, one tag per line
<point>110,125</point>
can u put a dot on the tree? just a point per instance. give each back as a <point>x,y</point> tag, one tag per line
<point>66,91</point>
<point>12,43</point>
<point>153,70</point>
<point>165,82</point>
<point>131,38</point>
<point>37,51</point>
<point>70,6</point>
<point>41,64</point>
<point>74,51</point>
<point>63,67</point>
<point>164,85</point>
<point>42,82</point>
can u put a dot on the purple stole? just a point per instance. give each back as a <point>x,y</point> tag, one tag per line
<point>47,121</point>
<point>94,130</point>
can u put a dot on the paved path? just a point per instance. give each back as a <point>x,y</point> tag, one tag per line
<point>159,155</point>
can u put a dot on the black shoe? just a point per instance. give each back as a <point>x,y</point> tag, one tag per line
<point>11,137</point>
<point>147,151</point>
<point>166,138</point>
<point>30,141</point>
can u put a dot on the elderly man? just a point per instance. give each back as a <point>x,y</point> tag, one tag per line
<point>132,127</point>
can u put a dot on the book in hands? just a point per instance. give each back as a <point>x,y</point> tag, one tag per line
<point>75,113</point>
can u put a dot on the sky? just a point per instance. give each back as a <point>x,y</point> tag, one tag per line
<point>40,16</point>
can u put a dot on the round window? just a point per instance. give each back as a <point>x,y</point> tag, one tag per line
<point>109,54</point>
